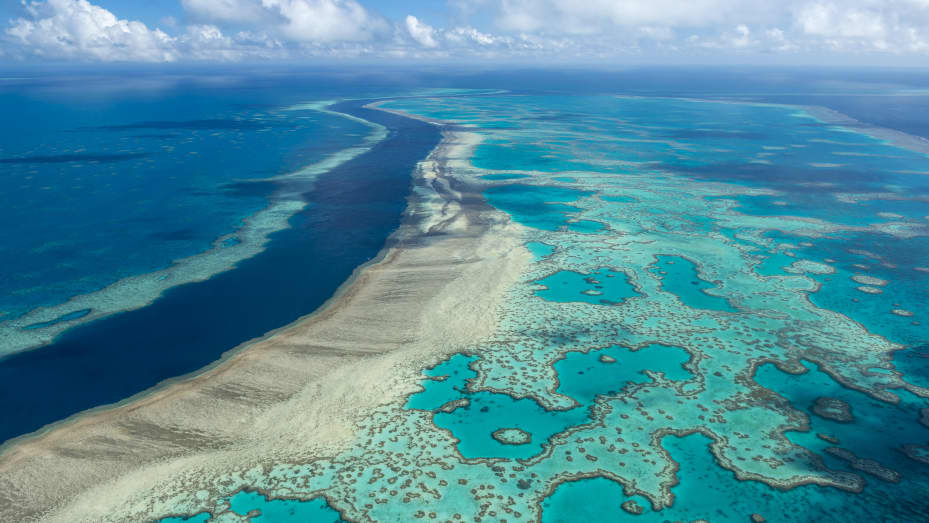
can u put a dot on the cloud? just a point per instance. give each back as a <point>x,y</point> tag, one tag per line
<point>594,16</point>
<point>69,29</point>
<point>468,35</point>
<point>240,11</point>
<point>268,29</point>
<point>827,19</point>
<point>420,32</point>
<point>317,21</point>
<point>564,30</point>
<point>794,26</point>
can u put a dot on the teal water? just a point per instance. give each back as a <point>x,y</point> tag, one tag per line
<point>262,509</point>
<point>199,518</point>
<point>618,199</point>
<point>473,425</point>
<point>729,236</point>
<point>503,176</point>
<point>602,287</point>
<point>587,227</point>
<point>822,175</point>
<point>584,376</point>
<point>285,510</point>
<point>540,250</point>
<point>679,276</point>
<point>885,258</point>
<point>542,207</point>
<point>707,491</point>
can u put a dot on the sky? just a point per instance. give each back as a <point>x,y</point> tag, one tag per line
<point>883,32</point>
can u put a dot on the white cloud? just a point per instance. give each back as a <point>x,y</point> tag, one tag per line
<point>276,29</point>
<point>68,29</point>
<point>469,35</point>
<point>295,20</point>
<point>241,11</point>
<point>593,16</point>
<point>508,29</point>
<point>420,32</point>
<point>326,20</point>
<point>830,20</point>
<point>810,26</point>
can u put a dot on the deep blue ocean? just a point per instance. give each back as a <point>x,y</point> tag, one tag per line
<point>130,183</point>
<point>120,174</point>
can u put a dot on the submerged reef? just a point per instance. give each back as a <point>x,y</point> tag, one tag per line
<point>703,352</point>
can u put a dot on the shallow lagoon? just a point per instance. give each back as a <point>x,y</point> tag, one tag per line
<point>269,510</point>
<point>601,287</point>
<point>679,277</point>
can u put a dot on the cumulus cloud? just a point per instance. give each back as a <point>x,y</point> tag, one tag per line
<point>242,11</point>
<point>893,26</point>
<point>62,29</point>
<point>828,19</point>
<point>296,20</point>
<point>468,35</point>
<point>504,29</point>
<point>274,29</point>
<point>592,16</point>
<point>420,32</point>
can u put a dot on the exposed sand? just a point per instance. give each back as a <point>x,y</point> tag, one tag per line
<point>294,395</point>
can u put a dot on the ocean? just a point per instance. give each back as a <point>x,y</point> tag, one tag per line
<point>99,203</point>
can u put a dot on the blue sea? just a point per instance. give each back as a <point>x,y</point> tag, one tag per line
<point>182,218</point>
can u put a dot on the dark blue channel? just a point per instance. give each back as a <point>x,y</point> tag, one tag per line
<point>352,211</point>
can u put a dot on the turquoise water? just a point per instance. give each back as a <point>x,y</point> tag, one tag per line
<point>679,276</point>
<point>503,176</point>
<point>686,255</point>
<point>542,207</point>
<point>262,509</point>
<point>273,510</point>
<point>706,492</point>
<point>473,425</point>
<point>587,227</point>
<point>804,171</point>
<point>540,250</point>
<point>584,376</point>
<point>709,492</point>
<point>619,199</point>
<point>885,258</point>
<point>199,518</point>
<point>602,287</point>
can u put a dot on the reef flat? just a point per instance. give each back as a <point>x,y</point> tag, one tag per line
<point>631,307</point>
